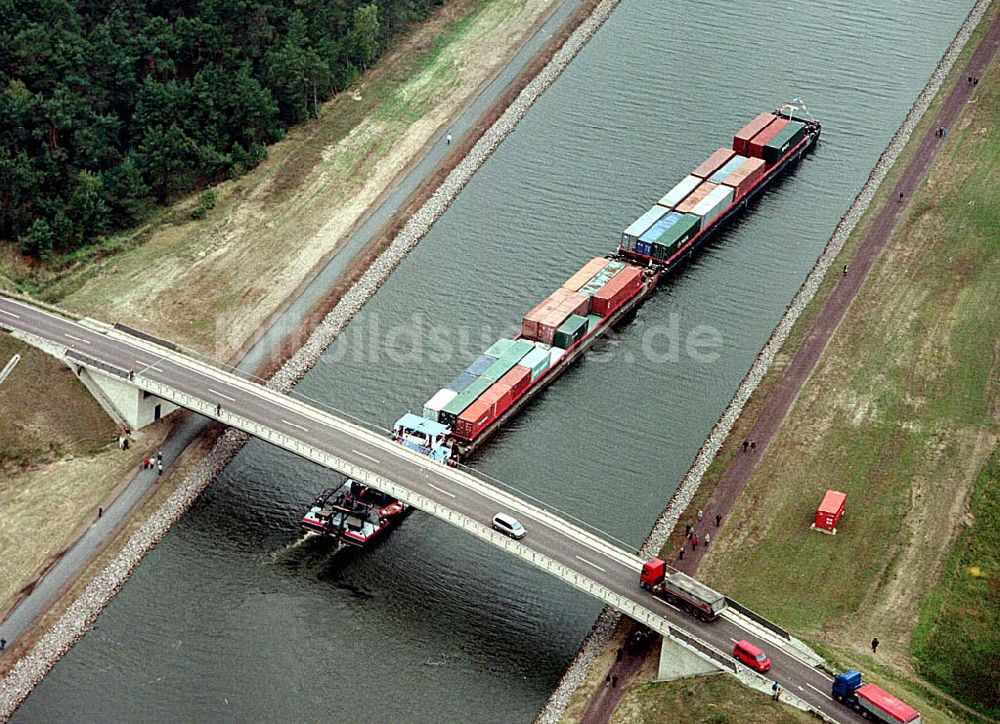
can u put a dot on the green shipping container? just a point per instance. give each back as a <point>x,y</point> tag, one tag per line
<point>503,365</point>
<point>499,348</point>
<point>601,278</point>
<point>592,321</point>
<point>537,360</point>
<point>465,398</point>
<point>676,235</point>
<point>787,137</point>
<point>570,332</point>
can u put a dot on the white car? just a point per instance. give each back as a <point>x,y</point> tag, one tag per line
<point>508,525</point>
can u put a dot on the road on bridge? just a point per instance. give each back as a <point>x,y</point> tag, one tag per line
<point>548,535</point>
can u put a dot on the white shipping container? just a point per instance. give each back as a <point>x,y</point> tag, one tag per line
<point>433,406</point>
<point>556,354</point>
<point>640,226</point>
<point>680,192</point>
<point>713,204</point>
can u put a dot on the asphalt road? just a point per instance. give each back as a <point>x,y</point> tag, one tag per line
<point>548,535</point>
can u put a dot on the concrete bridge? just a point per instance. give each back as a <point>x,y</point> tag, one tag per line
<point>139,379</point>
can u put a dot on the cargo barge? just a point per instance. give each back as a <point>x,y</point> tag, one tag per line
<point>606,291</point>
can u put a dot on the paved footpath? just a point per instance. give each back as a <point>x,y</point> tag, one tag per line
<point>79,555</point>
<point>784,394</point>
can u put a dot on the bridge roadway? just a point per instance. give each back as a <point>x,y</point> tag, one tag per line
<point>579,557</point>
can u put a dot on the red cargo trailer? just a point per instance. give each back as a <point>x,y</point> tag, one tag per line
<point>829,511</point>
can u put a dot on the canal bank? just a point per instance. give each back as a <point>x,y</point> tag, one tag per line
<point>229,553</point>
<point>581,688</point>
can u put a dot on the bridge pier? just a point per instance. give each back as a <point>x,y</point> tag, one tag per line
<point>127,405</point>
<point>679,662</point>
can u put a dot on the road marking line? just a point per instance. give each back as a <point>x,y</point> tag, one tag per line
<point>589,563</point>
<point>818,691</point>
<point>10,314</point>
<point>149,365</point>
<point>227,397</point>
<point>295,424</point>
<point>78,339</point>
<point>440,490</point>
<point>366,456</point>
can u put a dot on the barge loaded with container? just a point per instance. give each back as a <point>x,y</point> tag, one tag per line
<point>458,418</point>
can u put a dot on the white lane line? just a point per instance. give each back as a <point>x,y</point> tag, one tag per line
<point>818,691</point>
<point>78,339</point>
<point>591,563</point>
<point>440,490</point>
<point>295,424</point>
<point>227,397</point>
<point>356,452</point>
<point>10,314</point>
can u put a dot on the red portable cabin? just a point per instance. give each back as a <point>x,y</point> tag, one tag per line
<point>830,510</point>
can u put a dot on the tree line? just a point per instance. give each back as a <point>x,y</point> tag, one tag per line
<point>109,107</point>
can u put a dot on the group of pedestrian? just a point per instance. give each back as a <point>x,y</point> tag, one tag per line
<point>691,535</point>
<point>940,132</point>
<point>973,80</point>
<point>151,463</point>
<point>751,445</point>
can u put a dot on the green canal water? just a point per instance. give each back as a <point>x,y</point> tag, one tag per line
<point>235,616</point>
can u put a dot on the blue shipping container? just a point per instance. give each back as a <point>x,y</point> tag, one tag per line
<point>723,173</point>
<point>480,365</point>
<point>462,381</point>
<point>644,247</point>
<point>657,229</point>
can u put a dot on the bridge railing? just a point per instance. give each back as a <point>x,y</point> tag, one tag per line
<point>176,353</point>
<point>478,529</point>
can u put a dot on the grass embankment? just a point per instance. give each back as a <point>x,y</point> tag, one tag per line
<point>712,699</point>
<point>59,462</point>
<point>901,413</point>
<point>211,283</point>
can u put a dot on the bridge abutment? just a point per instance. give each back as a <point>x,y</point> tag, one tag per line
<point>679,662</point>
<point>127,405</point>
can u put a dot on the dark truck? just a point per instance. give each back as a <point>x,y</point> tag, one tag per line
<point>871,701</point>
<point>682,591</point>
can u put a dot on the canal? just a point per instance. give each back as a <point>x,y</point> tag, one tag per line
<point>236,616</point>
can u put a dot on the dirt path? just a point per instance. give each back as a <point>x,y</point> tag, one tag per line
<point>783,396</point>
<point>628,662</point>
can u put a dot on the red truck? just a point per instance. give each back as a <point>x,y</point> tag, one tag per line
<point>682,591</point>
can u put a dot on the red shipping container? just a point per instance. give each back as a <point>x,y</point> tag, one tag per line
<point>756,146</point>
<point>626,283</point>
<point>741,141</point>
<point>687,205</point>
<point>714,162</point>
<point>529,323</point>
<point>743,178</point>
<point>588,272</point>
<point>829,511</point>
<point>517,379</point>
<point>490,405</point>
<point>573,303</point>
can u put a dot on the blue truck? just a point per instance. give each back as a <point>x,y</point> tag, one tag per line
<point>871,701</point>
